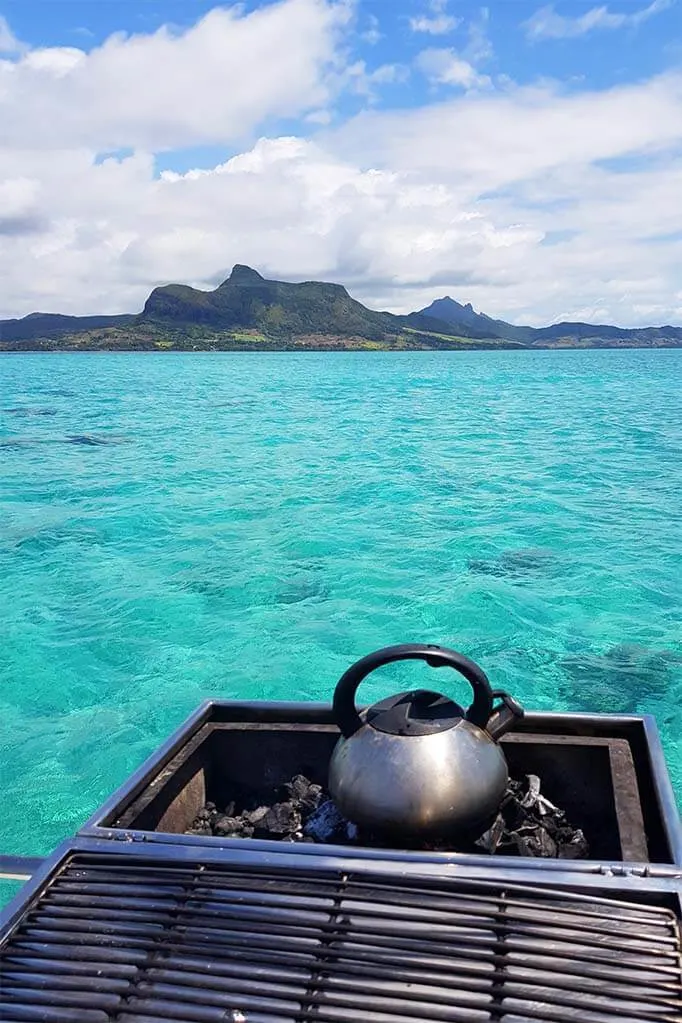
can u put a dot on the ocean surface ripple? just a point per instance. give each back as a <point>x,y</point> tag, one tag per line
<point>176,527</point>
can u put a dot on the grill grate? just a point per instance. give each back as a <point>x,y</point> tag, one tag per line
<point>146,942</point>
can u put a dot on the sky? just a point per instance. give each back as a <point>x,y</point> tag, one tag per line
<point>522,156</point>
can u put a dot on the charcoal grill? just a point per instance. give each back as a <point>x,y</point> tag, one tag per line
<point>606,771</point>
<point>177,934</point>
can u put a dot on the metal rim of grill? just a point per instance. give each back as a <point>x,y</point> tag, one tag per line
<point>114,941</point>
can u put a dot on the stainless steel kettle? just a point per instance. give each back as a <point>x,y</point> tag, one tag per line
<point>417,763</point>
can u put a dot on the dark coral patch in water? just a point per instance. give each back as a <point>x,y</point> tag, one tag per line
<point>515,563</point>
<point>238,403</point>
<point>206,587</point>
<point>93,440</point>
<point>49,539</point>
<point>18,442</point>
<point>25,410</point>
<point>301,588</point>
<point>617,681</point>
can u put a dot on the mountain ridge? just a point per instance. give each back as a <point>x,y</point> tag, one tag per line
<point>247,310</point>
<point>452,312</point>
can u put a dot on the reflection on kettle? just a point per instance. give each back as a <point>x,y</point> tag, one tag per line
<point>417,762</point>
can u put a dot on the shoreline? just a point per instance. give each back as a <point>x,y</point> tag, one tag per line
<point>271,350</point>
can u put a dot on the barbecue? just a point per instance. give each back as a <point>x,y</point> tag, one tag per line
<point>593,788</point>
<point>122,937</point>
<point>238,877</point>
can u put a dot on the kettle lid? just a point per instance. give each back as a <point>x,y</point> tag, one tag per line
<point>418,712</point>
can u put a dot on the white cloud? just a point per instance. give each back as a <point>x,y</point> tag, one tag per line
<point>362,81</point>
<point>547,24</point>
<point>446,67</point>
<point>372,33</point>
<point>479,49</point>
<point>8,41</point>
<point>438,25</point>
<point>209,83</point>
<point>319,117</point>
<point>533,204</point>
<point>389,74</point>
<point>531,163</point>
<point>437,21</point>
<point>499,138</point>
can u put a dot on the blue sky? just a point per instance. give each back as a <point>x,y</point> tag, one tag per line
<point>597,57</point>
<point>521,155</point>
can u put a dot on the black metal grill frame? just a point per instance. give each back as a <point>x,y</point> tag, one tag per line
<point>138,936</point>
<point>99,825</point>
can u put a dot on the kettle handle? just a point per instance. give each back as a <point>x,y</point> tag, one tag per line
<point>345,712</point>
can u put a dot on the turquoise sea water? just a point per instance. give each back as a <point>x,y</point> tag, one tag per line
<point>176,527</point>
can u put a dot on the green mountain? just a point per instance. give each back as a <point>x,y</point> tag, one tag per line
<point>589,335</point>
<point>249,312</point>
<point>54,325</point>
<point>245,311</point>
<point>569,335</point>
<point>247,301</point>
<point>464,317</point>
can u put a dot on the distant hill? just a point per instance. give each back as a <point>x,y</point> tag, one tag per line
<point>247,311</point>
<point>574,335</point>
<point>463,317</point>
<point>605,336</point>
<point>37,325</point>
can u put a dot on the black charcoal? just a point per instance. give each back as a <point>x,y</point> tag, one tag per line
<point>527,824</point>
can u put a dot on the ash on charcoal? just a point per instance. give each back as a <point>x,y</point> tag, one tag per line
<point>300,790</point>
<point>282,820</point>
<point>527,824</point>
<point>327,824</point>
<point>231,827</point>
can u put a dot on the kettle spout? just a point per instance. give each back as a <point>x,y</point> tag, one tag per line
<point>505,716</point>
